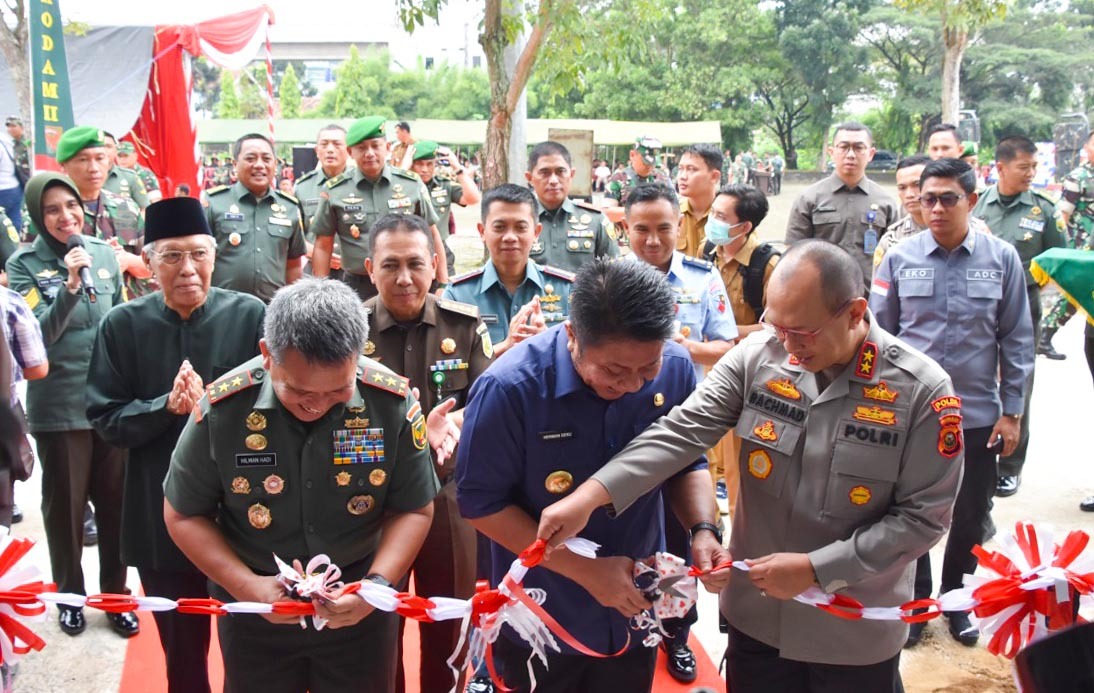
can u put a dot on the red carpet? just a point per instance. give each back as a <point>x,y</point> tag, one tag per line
<point>144,666</point>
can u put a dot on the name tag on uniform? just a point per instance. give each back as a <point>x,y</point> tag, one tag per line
<point>268,459</point>
<point>280,221</point>
<point>439,192</point>
<point>916,273</point>
<point>984,275</point>
<point>352,208</point>
<point>233,216</point>
<point>399,203</point>
<point>555,435</point>
<point>1031,224</point>
<point>489,319</point>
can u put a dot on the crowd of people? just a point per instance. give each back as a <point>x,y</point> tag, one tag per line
<point>297,369</point>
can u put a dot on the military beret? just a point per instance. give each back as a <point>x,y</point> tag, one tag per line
<point>13,120</point>
<point>75,140</point>
<point>173,217</point>
<point>648,148</point>
<point>126,148</point>
<point>365,129</point>
<point>425,150</point>
<point>970,149</point>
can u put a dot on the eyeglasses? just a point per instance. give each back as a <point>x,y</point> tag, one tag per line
<point>174,257</point>
<point>948,200</point>
<point>858,148</point>
<point>805,337</point>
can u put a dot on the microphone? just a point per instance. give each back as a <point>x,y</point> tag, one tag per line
<point>77,241</point>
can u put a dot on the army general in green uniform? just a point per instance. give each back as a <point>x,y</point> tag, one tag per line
<point>351,203</point>
<point>307,449</point>
<point>259,229</point>
<point>1027,220</point>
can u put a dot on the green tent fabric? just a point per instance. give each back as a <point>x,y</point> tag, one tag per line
<point>1070,270</point>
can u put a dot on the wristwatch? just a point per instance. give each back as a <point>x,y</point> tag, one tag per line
<point>711,527</point>
<point>378,579</point>
<point>1016,417</point>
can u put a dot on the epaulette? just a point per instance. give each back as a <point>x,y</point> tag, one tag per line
<point>308,175</point>
<point>560,273</point>
<point>587,205</point>
<point>405,173</point>
<point>1046,198</point>
<point>467,275</point>
<point>458,307</point>
<point>335,180</point>
<point>383,379</point>
<point>705,265</point>
<point>233,383</point>
<point>287,196</point>
<point>216,189</point>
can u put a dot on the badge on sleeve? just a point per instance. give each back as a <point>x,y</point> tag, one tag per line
<point>860,495</point>
<point>418,430</point>
<point>759,464</point>
<point>949,435</point>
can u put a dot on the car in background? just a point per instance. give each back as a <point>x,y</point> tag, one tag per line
<point>883,160</point>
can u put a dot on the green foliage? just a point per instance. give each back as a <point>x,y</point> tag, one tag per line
<point>960,15</point>
<point>252,91</point>
<point>206,79</point>
<point>289,94</point>
<point>228,105</point>
<point>354,90</point>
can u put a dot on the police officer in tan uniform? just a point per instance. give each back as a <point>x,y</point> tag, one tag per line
<point>349,204</point>
<point>850,462</point>
<point>442,347</point>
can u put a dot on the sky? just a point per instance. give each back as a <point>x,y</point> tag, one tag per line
<point>141,12</point>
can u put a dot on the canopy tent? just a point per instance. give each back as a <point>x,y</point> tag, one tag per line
<point>473,132</point>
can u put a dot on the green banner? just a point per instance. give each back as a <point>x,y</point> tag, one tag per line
<point>52,97</point>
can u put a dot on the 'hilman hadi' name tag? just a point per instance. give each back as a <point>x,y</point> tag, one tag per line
<point>265,459</point>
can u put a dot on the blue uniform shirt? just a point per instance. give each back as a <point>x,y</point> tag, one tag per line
<point>968,310</point>
<point>530,415</point>
<point>497,306</point>
<point>702,304</point>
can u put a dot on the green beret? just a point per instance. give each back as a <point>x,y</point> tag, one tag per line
<point>970,149</point>
<point>365,129</point>
<point>425,150</point>
<point>125,148</point>
<point>75,140</point>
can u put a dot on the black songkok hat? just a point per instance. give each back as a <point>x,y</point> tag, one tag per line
<point>173,217</point>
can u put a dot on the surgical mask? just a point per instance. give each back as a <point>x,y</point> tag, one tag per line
<point>718,231</point>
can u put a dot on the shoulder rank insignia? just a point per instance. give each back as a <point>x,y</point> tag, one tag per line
<point>585,205</point>
<point>867,360</point>
<point>335,180</point>
<point>696,262</point>
<point>560,273</point>
<point>458,307</point>
<point>287,196</point>
<point>468,275</point>
<point>880,392</point>
<point>216,189</point>
<point>385,380</point>
<point>405,173</point>
<point>232,383</point>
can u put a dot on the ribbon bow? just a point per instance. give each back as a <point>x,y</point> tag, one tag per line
<point>670,586</point>
<point>319,580</point>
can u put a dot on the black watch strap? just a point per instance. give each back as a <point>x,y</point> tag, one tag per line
<point>379,580</point>
<point>709,526</point>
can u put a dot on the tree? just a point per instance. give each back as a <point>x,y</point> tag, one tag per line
<point>206,79</point>
<point>354,87</point>
<point>228,105</point>
<point>289,94</point>
<point>15,43</point>
<point>253,97</point>
<point>961,19</point>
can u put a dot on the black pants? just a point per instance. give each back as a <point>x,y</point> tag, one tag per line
<point>1089,349</point>
<point>77,465</point>
<point>631,672</point>
<point>262,657</point>
<point>184,637</point>
<point>361,284</point>
<point>1011,466</point>
<point>971,524</point>
<point>754,667</point>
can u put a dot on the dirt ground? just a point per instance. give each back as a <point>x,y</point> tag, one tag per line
<point>1058,477</point>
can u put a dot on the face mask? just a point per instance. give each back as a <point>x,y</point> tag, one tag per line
<point>718,231</point>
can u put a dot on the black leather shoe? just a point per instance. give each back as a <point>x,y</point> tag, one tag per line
<point>681,661</point>
<point>125,624</point>
<point>962,629</point>
<point>91,530</point>
<point>1045,348</point>
<point>915,634</point>
<point>1087,504</point>
<point>1007,485</point>
<point>16,514</point>
<point>72,620</point>
<point>480,684</point>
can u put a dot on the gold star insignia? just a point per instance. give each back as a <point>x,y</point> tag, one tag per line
<point>868,357</point>
<point>237,381</point>
<point>392,381</point>
<point>377,377</point>
<point>224,387</point>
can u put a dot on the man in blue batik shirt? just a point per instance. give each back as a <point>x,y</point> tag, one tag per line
<point>545,418</point>
<point>959,296</point>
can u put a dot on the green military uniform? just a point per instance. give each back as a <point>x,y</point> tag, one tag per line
<point>443,194</point>
<point>9,239</point>
<point>442,354</point>
<point>126,183</point>
<point>573,234</point>
<point>116,216</point>
<point>307,191</point>
<point>278,486</point>
<point>1030,223</point>
<point>22,150</point>
<point>256,237</point>
<point>1078,203</point>
<point>147,177</point>
<point>497,306</point>
<point>349,204</point>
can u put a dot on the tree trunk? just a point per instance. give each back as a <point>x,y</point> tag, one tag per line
<point>956,41</point>
<point>822,157</point>
<point>16,49</point>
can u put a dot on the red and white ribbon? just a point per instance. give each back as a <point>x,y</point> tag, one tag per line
<point>320,579</point>
<point>21,588</point>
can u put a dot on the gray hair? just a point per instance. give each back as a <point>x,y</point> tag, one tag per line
<point>323,319</point>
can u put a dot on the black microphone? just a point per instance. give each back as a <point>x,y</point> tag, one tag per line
<point>77,241</point>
